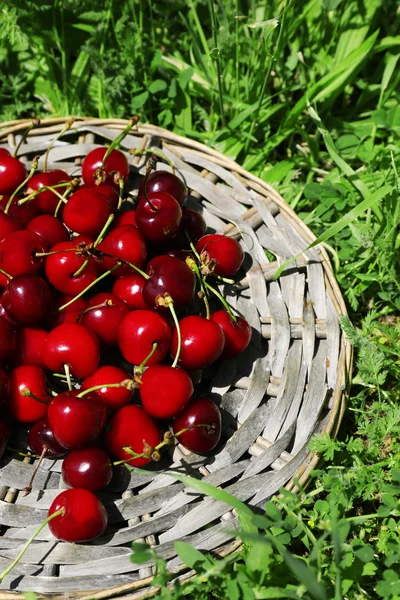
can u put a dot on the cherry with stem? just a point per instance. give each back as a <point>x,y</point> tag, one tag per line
<point>34,123</point>
<point>222,299</point>
<point>34,167</point>
<point>168,302</point>
<point>88,287</point>
<point>99,239</point>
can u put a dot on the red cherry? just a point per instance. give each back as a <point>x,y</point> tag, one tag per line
<point>113,398</point>
<point>86,212</point>
<point>125,218</point>
<point>192,224</point>
<point>18,253</point>
<point>165,391</point>
<point>50,229</point>
<point>75,345</point>
<point>106,320</point>
<point>139,330</point>
<point>47,200</point>
<point>61,267</point>
<point>76,422</point>
<point>130,289</point>
<point>4,152</point>
<point>237,335</point>
<point>69,314</point>
<point>168,275</point>
<point>202,342</point>
<point>4,434</point>
<point>131,427</point>
<point>23,213</point>
<point>124,242</point>
<point>158,221</point>
<point>84,519</point>
<point>162,181</point>
<point>116,162</point>
<point>41,436</point>
<point>12,173</point>
<point>29,347</point>
<point>8,224</point>
<point>225,252</point>
<point>25,408</point>
<point>88,469</point>
<point>108,190</point>
<point>27,299</point>
<point>6,339</point>
<point>4,387</point>
<point>180,254</point>
<point>200,411</point>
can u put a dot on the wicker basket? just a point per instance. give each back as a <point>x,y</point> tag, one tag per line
<point>289,384</point>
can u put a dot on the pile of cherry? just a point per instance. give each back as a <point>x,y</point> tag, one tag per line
<point>88,277</point>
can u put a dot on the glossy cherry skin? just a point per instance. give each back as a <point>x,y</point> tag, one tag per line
<point>124,242</point>
<point>47,200</point>
<point>199,439</point>
<point>116,162</point>
<point>12,173</point>
<point>4,152</point>
<point>27,299</point>
<point>41,436</point>
<point>24,408</point>
<point>105,321</point>
<point>169,275</point>
<point>4,387</point>
<point>237,335</point>
<point>61,267</point>
<point>8,224</point>
<point>202,342</point>
<point>130,289</point>
<point>84,519</point>
<point>137,333</point>
<point>113,398</point>
<point>18,250</point>
<point>131,427</point>
<point>6,340</point>
<point>50,229</point>
<point>162,181</point>
<point>76,422</point>
<point>29,347</point>
<point>165,391</point>
<point>75,345</point>
<point>24,213</point>
<point>161,223</point>
<point>107,190</point>
<point>70,314</point>
<point>192,224</point>
<point>4,435</point>
<point>88,468</point>
<point>126,218</point>
<point>86,212</point>
<point>225,252</point>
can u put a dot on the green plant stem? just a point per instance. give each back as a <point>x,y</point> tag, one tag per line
<point>23,184</point>
<point>99,239</point>
<point>116,142</point>
<point>222,299</point>
<point>121,261</point>
<point>178,332</point>
<point>146,360</point>
<point>42,189</point>
<point>67,371</point>
<point>88,287</point>
<point>217,61</point>
<point>34,123</point>
<point>67,126</point>
<point>100,387</point>
<point>3,272</point>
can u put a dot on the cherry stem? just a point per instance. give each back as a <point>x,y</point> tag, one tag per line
<point>99,239</point>
<point>26,392</point>
<point>224,279</point>
<point>10,449</point>
<point>30,175</point>
<point>203,293</point>
<point>141,367</point>
<point>88,287</point>
<point>126,383</point>
<point>132,121</point>
<point>178,331</point>
<point>150,167</point>
<point>121,261</point>
<point>192,246</point>
<point>158,153</point>
<point>104,304</point>
<point>3,272</point>
<point>28,488</point>
<point>76,250</point>
<point>34,123</point>
<point>63,198</point>
<point>121,184</point>
<point>58,513</point>
<point>42,189</point>
<point>222,299</point>
<point>67,371</point>
<point>68,126</point>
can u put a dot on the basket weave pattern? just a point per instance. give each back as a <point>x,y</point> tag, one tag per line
<point>288,384</point>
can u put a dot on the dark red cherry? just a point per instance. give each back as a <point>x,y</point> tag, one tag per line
<point>107,190</point>
<point>69,314</point>
<point>131,427</point>
<point>202,342</point>
<point>237,335</point>
<point>165,390</point>
<point>62,266</point>
<point>158,221</point>
<point>27,299</point>
<point>4,152</point>
<point>18,253</point>
<point>180,254</point>
<point>50,229</point>
<point>124,242</point>
<point>139,330</point>
<point>76,422</point>
<point>47,200</point>
<point>75,345</point>
<point>84,518</point>
<point>12,174</point>
<point>41,436</point>
<point>113,398</point>
<point>4,434</point>
<point>162,181</point>
<point>23,213</point>
<point>200,411</point>
<point>192,228</point>
<point>6,340</point>
<point>89,469</point>
<point>169,275</point>
<point>116,162</point>
<point>225,253</point>
<point>105,320</point>
<point>130,289</point>
<point>29,347</point>
<point>8,224</point>
<point>4,387</point>
<point>126,218</point>
<point>25,408</point>
<point>86,212</point>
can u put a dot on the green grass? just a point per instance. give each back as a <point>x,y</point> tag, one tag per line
<point>307,99</point>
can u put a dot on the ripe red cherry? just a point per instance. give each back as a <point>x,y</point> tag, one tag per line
<point>89,469</point>
<point>169,275</point>
<point>4,387</point>
<point>137,333</point>
<point>84,519</point>
<point>8,224</point>
<point>12,173</point>
<point>165,391</point>
<point>130,289</point>
<point>107,190</point>
<point>124,242</point>
<point>50,229</point>
<point>23,213</point>
<point>192,224</point>
<point>75,345</point>
<point>6,339</point>
<point>41,436</point>
<point>113,398</point>
<point>225,252</point>
<point>29,347</point>
<point>202,342</point>
<point>27,299</point>
<point>4,152</point>
<point>131,427</point>
<point>18,253</point>
<point>86,212</point>
<point>76,422</point>
<point>200,411</point>
<point>237,335</point>
<point>61,267</point>
<point>116,162</point>
<point>105,320</point>
<point>24,408</point>
<point>47,200</point>
<point>69,314</point>
<point>160,223</point>
<point>125,218</point>
<point>162,181</point>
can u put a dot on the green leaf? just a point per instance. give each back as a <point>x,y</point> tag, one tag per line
<point>365,553</point>
<point>185,76</point>
<point>139,100</point>
<point>158,85</point>
<point>191,557</point>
